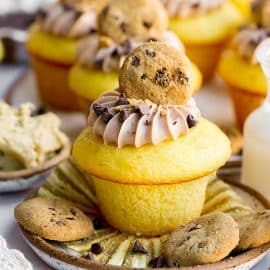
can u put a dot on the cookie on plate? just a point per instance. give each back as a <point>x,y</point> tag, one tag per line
<point>53,219</point>
<point>158,72</point>
<point>207,239</point>
<point>147,19</point>
<point>254,230</point>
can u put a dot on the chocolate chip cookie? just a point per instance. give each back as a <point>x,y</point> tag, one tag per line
<point>53,219</point>
<point>137,20</point>
<point>254,229</point>
<point>207,239</point>
<point>158,72</point>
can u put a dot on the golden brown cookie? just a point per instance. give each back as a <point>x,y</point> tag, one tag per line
<point>254,229</point>
<point>207,239</point>
<point>138,20</point>
<point>53,219</point>
<point>158,72</point>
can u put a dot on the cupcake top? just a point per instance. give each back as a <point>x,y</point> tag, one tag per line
<point>122,26</point>
<point>163,108</point>
<point>28,140</point>
<point>70,18</point>
<point>189,8</point>
<point>248,39</point>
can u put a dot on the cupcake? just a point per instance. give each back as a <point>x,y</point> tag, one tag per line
<point>52,45</point>
<point>122,26</point>
<point>31,145</point>
<point>148,149</point>
<point>248,85</point>
<point>204,27</point>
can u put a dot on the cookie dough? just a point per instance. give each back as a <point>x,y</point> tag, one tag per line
<point>55,220</point>
<point>138,20</point>
<point>158,72</point>
<point>254,230</point>
<point>26,141</point>
<point>207,239</point>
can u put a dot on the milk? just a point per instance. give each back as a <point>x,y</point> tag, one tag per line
<point>256,158</point>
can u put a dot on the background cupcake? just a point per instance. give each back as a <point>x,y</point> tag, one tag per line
<point>151,159</point>
<point>122,26</point>
<point>52,45</point>
<point>248,85</point>
<point>204,27</point>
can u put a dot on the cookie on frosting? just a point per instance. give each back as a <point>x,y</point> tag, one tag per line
<point>158,72</point>
<point>254,229</point>
<point>53,219</point>
<point>138,20</point>
<point>207,239</point>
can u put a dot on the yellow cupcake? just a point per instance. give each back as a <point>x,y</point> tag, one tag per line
<point>150,160</point>
<point>204,31</point>
<point>52,47</point>
<point>1,51</point>
<point>248,85</point>
<point>99,56</point>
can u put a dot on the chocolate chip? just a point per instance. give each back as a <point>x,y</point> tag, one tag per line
<point>60,223</point>
<point>144,109</point>
<point>106,116</point>
<point>51,208</point>
<point>70,218</point>
<point>98,109</point>
<point>136,61</point>
<point>99,223</point>
<point>181,76</point>
<point>72,211</point>
<point>143,77</point>
<point>147,122</point>
<point>147,25</point>
<point>96,248</point>
<point>124,27</point>
<point>139,248</point>
<point>162,77</point>
<point>157,262</point>
<point>149,53</point>
<point>191,121</point>
<point>122,100</point>
<point>194,228</point>
<point>201,245</point>
<point>175,122</point>
<point>89,256</point>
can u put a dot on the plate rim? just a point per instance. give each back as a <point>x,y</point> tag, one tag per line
<point>229,262</point>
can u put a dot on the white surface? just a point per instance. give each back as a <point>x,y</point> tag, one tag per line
<point>8,227</point>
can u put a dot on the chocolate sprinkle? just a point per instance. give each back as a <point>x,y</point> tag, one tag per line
<point>136,61</point>
<point>96,248</point>
<point>147,25</point>
<point>139,248</point>
<point>99,223</point>
<point>122,100</point>
<point>157,262</point>
<point>143,77</point>
<point>98,109</point>
<point>191,121</point>
<point>106,116</point>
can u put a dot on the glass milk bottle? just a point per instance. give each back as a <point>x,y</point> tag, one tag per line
<point>256,158</point>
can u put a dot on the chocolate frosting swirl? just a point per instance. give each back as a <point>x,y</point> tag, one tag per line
<point>187,8</point>
<point>71,21</point>
<point>248,39</point>
<point>103,53</point>
<point>122,121</point>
